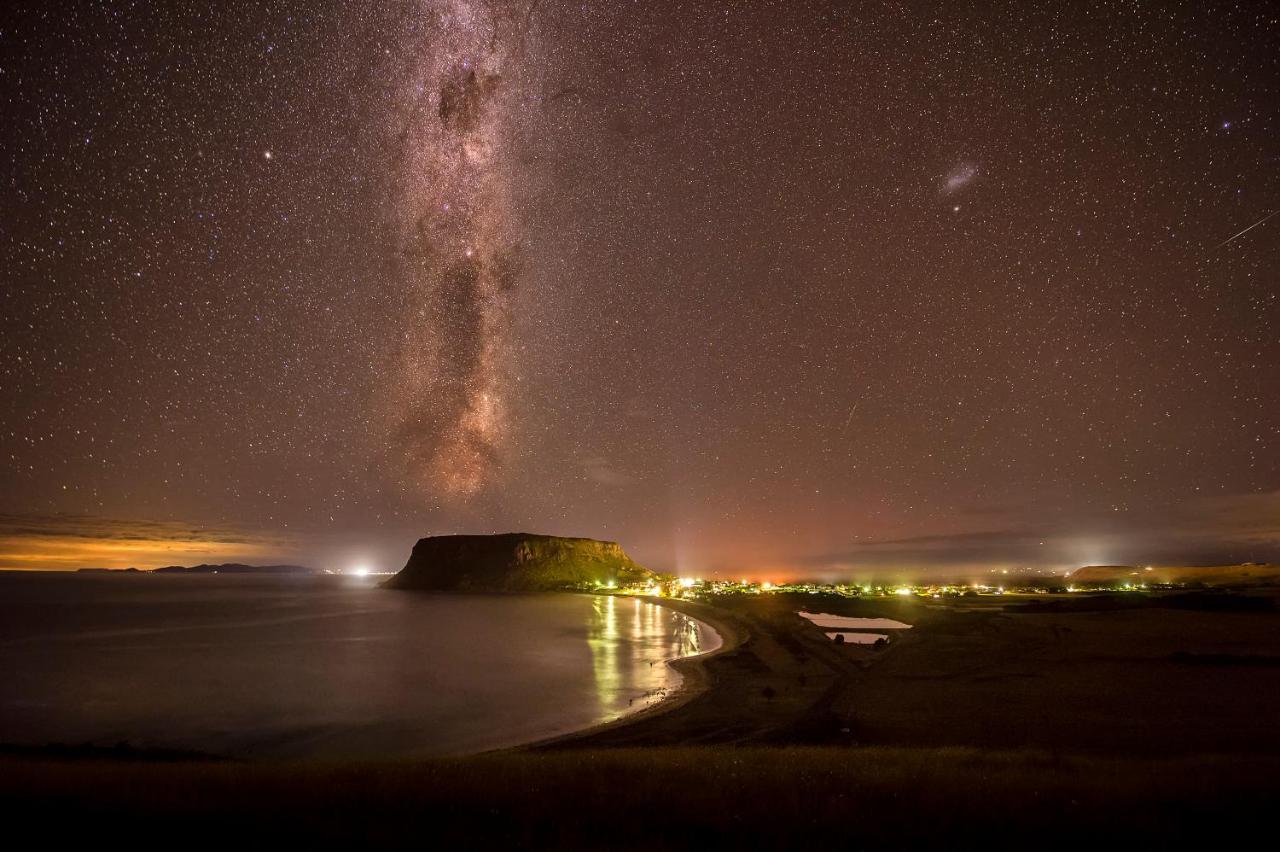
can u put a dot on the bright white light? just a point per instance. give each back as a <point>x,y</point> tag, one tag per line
<point>360,570</point>
<point>902,591</point>
<point>686,582</point>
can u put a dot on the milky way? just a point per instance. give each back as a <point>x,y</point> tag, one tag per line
<point>458,244</point>
<point>798,286</point>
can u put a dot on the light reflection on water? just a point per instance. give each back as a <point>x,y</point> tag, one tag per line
<point>298,667</point>
<point>655,635</point>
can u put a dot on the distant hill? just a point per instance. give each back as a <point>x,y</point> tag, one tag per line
<point>1246,574</point>
<point>234,568</point>
<point>513,562</point>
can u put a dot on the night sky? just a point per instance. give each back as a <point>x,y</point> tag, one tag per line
<point>756,289</point>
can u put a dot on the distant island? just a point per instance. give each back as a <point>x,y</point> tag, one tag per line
<point>515,562</point>
<point>225,568</point>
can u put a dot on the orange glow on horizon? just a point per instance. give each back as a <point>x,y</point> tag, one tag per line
<point>119,549</point>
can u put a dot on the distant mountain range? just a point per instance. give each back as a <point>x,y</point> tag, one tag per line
<point>225,568</point>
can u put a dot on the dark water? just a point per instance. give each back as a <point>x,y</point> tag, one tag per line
<point>320,667</point>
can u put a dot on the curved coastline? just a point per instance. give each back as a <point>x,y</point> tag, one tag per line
<point>695,680</point>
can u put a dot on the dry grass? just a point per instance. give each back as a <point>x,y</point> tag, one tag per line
<point>654,799</point>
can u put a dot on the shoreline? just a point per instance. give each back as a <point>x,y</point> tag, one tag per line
<point>695,678</point>
<point>777,680</point>
<point>694,681</point>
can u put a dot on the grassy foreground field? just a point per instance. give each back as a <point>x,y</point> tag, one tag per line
<point>656,798</point>
<point>1044,722</point>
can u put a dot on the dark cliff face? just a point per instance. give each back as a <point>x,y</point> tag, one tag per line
<point>514,562</point>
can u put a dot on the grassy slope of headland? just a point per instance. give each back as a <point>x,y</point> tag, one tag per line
<point>749,798</point>
<point>1156,679</point>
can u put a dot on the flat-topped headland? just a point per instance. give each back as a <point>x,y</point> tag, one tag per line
<point>515,562</point>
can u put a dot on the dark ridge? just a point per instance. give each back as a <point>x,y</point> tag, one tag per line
<point>1208,601</point>
<point>121,751</point>
<point>234,568</point>
<point>1192,659</point>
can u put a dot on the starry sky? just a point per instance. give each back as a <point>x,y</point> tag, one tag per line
<point>757,289</point>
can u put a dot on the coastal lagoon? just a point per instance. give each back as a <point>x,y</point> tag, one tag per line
<point>844,622</point>
<point>327,667</point>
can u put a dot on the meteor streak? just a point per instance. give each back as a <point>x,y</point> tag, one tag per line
<point>1246,230</point>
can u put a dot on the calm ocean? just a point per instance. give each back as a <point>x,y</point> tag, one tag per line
<point>330,667</point>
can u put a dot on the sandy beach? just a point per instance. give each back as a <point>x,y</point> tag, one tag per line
<point>695,679</point>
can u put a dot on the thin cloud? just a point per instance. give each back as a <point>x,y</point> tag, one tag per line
<point>1211,530</point>
<point>71,541</point>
